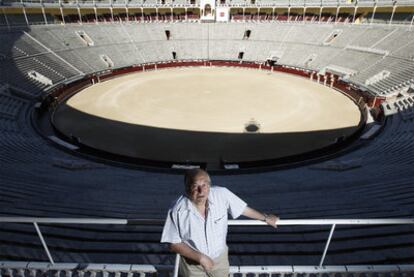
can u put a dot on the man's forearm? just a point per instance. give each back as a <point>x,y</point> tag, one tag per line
<point>269,219</point>
<point>253,214</point>
<point>186,251</point>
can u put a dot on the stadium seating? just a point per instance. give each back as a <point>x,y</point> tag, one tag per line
<point>134,44</point>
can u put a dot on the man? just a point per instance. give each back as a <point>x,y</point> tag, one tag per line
<point>196,225</point>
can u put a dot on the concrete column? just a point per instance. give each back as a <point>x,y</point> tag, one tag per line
<point>320,15</point>
<point>44,14</point>
<point>288,13</point>
<point>25,15</point>
<point>96,14</point>
<point>304,14</point>
<point>80,15</point>
<point>373,13</point>
<point>355,12</point>
<point>411,24</point>
<point>63,17</point>
<point>337,13</point>
<point>5,18</point>
<point>393,12</point>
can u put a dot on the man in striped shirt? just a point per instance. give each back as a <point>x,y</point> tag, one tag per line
<point>196,225</point>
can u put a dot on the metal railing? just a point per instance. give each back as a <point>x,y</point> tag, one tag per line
<point>91,221</point>
<point>258,4</point>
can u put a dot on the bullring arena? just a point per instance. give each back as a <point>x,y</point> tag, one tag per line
<point>207,111</point>
<point>304,110</point>
<point>218,100</point>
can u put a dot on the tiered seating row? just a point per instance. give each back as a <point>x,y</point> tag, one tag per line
<point>140,43</point>
<point>133,43</point>
<point>9,106</point>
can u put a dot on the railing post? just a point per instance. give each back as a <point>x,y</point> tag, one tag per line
<point>177,264</point>
<point>327,244</point>
<point>43,243</point>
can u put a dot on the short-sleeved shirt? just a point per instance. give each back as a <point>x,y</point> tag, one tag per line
<point>185,224</point>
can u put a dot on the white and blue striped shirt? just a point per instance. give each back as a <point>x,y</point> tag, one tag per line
<point>185,224</point>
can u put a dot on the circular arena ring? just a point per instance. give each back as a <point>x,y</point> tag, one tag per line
<point>217,115</point>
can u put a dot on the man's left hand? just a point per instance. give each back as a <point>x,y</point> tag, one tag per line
<point>272,220</point>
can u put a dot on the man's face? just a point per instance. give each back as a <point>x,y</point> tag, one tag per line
<point>200,189</point>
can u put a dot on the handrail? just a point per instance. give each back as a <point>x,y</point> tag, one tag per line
<point>117,221</point>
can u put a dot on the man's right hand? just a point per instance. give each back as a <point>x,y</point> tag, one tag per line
<point>206,262</point>
<point>184,250</point>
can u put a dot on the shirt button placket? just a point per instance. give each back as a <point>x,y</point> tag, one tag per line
<point>206,224</point>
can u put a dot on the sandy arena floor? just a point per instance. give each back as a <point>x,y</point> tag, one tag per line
<point>218,99</point>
